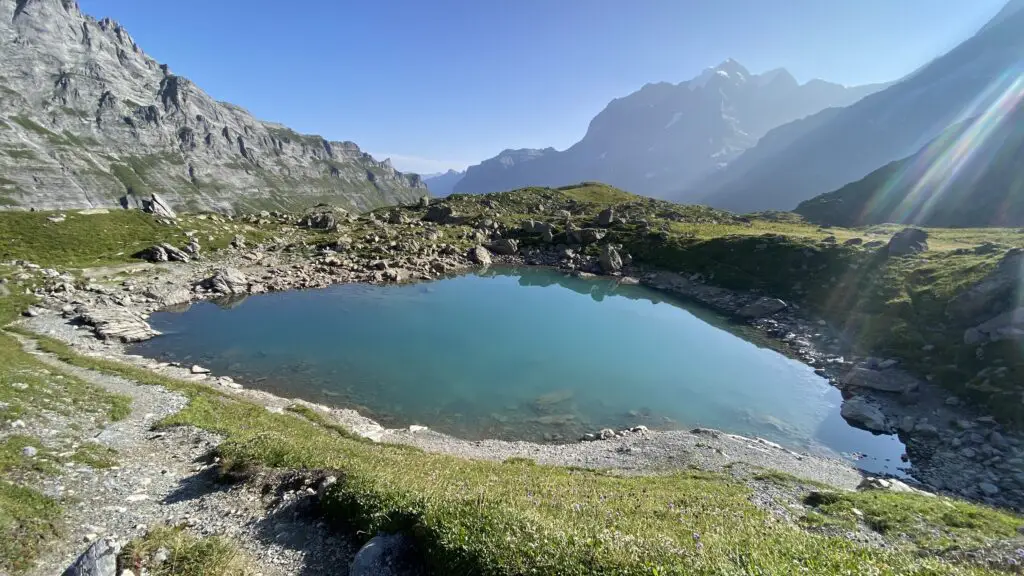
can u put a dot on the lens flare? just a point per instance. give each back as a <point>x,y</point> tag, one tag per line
<point>931,174</point>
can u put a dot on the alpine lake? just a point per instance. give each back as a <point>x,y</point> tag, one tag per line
<point>519,354</point>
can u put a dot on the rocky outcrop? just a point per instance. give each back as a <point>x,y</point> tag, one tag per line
<point>908,241</point>
<point>163,253</point>
<point>117,324</point>
<point>992,295</point>
<point>88,119</point>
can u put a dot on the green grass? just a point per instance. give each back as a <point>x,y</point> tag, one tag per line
<point>516,517</point>
<point>187,555</point>
<point>28,520</point>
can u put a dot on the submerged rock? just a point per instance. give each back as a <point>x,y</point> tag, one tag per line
<point>892,380</point>
<point>861,413</point>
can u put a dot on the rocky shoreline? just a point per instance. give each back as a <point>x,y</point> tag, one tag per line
<point>950,449</point>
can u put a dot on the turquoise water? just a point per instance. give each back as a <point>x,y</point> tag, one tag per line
<point>523,353</point>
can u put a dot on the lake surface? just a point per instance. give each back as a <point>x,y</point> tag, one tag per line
<point>524,353</point>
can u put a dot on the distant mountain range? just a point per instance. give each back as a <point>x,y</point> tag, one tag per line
<point>88,119</point>
<point>971,175</point>
<point>443,183</point>
<point>982,77</point>
<point>663,136</point>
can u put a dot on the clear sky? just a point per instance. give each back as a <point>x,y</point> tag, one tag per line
<point>435,84</point>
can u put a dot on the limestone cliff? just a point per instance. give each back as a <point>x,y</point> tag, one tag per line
<point>88,119</point>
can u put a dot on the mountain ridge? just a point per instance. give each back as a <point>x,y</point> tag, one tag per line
<point>827,151</point>
<point>663,134</point>
<point>88,119</point>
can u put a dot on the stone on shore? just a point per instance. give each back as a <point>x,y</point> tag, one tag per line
<point>892,380</point>
<point>504,246</point>
<point>762,307</point>
<point>117,324</point>
<point>609,259</point>
<point>228,281</point>
<point>480,255</point>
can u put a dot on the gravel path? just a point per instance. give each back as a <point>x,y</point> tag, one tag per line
<point>167,477</point>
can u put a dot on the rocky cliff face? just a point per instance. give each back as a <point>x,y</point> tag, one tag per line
<point>87,119</point>
<point>663,136</point>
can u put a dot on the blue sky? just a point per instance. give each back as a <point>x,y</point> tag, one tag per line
<point>446,83</point>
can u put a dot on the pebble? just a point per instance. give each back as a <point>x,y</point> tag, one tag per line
<point>29,452</point>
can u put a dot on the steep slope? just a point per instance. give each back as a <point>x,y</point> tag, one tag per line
<point>441,185</point>
<point>829,150</point>
<point>664,135</point>
<point>972,175</point>
<point>86,118</point>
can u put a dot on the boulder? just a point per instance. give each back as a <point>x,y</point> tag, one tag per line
<point>322,217</point>
<point>534,227</point>
<point>168,295</point>
<point>761,307</point>
<point>908,241</point>
<point>548,236</point>
<point>606,218</point>
<point>887,484</point>
<point>505,246</point>
<point>439,213</point>
<point>99,560</point>
<point>228,281</point>
<point>423,202</point>
<point>396,217</point>
<point>162,253</point>
<point>1006,326</point>
<point>591,235</point>
<point>992,294</point>
<point>386,555</point>
<point>158,207</point>
<point>859,412</point>
<point>609,259</point>
<point>892,380</point>
<point>193,248</point>
<point>480,255</point>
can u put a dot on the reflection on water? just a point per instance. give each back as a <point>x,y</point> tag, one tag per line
<point>516,354</point>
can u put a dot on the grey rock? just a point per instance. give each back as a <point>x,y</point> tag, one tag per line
<point>99,560</point>
<point>505,246</point>
<point>386,555</point>
<point>159,207</point>
<point>988,488</point>
<point>1006,326</point>
<point>323,217</point>
<point>762,307</point>
<point>992,295</point>
<point>163,253</point>
<point>423,202</point>
<point>29,452</point>
<point>892,380</point>
<point>197,369</point>
<point>887,484</point>
<point>228,281</point>
<point>925,428</point>
<point>30,312</point>
<point>908,241</point>
<point>439,213</point>
<point>968,453</point>
<point>860,412</point>
<point>103,119</point>
<point>480,255</point>
<point>609,259</point>
<point>907,424</point>
<point>117,324</point>
<point>606,217</point>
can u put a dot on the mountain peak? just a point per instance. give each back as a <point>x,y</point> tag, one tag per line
<point>732,67</point>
